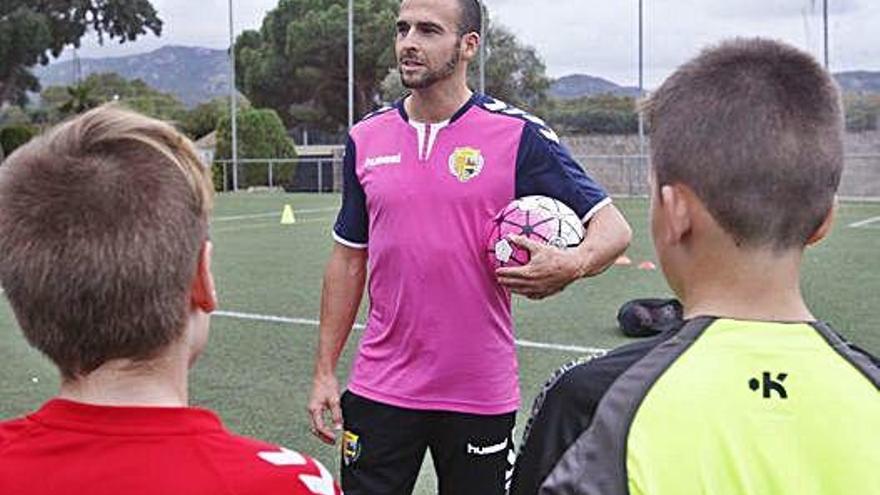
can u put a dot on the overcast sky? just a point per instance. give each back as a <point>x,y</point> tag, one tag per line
<point>597,37</point>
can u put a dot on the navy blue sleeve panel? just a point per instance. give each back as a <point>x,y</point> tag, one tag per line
<point>352,222</point>
<point>859,350</point>
<point>874,359</point>
<point>545,167</point>
<point>564,410</point>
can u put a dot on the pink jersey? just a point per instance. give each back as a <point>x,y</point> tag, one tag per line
<point>420,198</point>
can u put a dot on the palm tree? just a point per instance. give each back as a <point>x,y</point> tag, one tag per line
<point>81,99</point>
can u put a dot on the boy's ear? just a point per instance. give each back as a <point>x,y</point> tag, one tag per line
<point>825,227</point>
<point>203,294</point>
<point>676,207</point>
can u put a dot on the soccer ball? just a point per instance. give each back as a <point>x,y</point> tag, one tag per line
<point>540,218</point>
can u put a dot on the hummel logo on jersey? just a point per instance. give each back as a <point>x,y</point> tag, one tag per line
<point>770,385</point>
<point>491,449</point>
<point>375,161</point>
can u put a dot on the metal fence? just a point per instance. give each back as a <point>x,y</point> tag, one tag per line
<point>291,175</point>
<point>627,175</point>
<point>621,175</point>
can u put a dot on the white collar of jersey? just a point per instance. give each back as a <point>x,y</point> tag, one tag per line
<point>427,133</point>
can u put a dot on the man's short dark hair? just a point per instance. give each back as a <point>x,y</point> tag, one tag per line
<point>471,17</point>
<point>101,223</point>
<point>755,128</point>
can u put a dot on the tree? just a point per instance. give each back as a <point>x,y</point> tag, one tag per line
<point>14,115</point>
<point>297,62</point>
<point>204,118</point>
<point>79,99</point>
<point>109,86</point>
<point>32,31</point>
<point>261,134</point>
<point>862,111</point>
<point>599,114</point>
<point>13,136</point>
<point>515,73</point>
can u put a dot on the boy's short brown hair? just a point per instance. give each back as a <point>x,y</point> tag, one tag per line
<point>102,220</point>
<point>754,127</point>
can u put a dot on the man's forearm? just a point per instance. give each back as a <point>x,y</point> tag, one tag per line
<point>343,288</point>
<point>607,237</point>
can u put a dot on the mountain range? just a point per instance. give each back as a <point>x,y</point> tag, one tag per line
<point>195,75</point>
<point>192,74</point>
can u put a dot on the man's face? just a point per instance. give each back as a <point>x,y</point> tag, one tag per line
<point>428,45</point>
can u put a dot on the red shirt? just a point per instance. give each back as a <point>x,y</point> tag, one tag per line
<point>70,447</point>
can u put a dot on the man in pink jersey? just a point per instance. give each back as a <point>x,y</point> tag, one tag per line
<point>105,260</point>
<point>436,367</point>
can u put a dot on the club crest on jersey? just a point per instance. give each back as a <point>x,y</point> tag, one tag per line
<point>465,163</point>
<point>351,447</point>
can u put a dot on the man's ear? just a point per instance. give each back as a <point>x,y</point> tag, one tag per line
<point>203,294</point>
<point>677,209</point>
<point>470,46</point>
<point>825,227</point>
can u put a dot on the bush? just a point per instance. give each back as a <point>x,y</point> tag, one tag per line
<point>862,112</point>
<point>601,114</point>
<point>11,137</point>
<point>261,134</point>
<point>599,121</point>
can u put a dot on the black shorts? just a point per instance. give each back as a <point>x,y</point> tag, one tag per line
<point>383,448</point>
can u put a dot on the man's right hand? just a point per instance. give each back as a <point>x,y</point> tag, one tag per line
<point>325,397</point>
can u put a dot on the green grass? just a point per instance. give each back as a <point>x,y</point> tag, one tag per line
<point>257,375</point>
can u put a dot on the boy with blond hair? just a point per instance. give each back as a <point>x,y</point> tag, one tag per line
<point>106,261</point>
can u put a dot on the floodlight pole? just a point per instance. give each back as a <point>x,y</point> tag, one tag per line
<point>641,85</point>
<point>483,49</point>
<point>233,103</point>
<point>350,64</point>
<point>825,29</point>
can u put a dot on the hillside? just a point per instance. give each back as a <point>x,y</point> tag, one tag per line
<point>859,81</point>
<point>191,74</point>
<point>195,75</point>
<point>577,85</point>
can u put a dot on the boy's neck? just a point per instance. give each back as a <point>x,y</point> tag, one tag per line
<point>747,285</point>
<point>160,382</point>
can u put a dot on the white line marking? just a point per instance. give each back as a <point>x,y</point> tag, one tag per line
<point>865,223</point>
<point>273,319</point>
<point>270,214</point>
<point>246,217</point>
<point>269,224</point>
<point>592,351</point>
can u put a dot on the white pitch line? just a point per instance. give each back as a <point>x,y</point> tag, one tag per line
<point>269,224</point>
<point>273,319</point>
<point>270,214</point>
<point>864,223</point>
<point>592,351</point>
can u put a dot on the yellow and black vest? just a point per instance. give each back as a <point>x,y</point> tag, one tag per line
<point>716,407</point>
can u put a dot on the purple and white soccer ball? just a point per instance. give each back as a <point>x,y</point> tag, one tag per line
<point>540,218</point>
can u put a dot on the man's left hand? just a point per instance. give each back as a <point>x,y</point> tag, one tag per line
<point>549,271</point>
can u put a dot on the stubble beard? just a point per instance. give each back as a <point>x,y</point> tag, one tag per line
<point>431,77</point>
